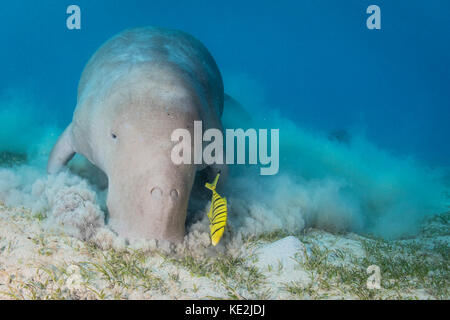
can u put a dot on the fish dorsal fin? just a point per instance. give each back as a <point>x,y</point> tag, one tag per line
<point>212,186</point>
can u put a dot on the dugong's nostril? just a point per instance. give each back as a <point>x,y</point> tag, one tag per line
<point>174,194</point>
<point>156,192</point>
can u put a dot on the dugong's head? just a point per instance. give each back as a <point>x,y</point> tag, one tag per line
<point>147,193</point>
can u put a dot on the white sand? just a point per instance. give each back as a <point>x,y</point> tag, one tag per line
<point>36,262</point>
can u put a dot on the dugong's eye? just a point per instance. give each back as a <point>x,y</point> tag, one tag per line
<point>174,194</point>
<point>113,135</point>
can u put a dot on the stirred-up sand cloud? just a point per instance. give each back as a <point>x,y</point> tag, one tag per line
<point>333,184</point>
<point>324,181</point>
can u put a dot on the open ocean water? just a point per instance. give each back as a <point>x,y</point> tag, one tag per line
<point>362,114</point>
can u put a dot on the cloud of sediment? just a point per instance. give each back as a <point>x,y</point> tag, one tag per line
<point>339,182</point>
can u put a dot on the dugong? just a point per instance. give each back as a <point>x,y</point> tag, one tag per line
<point>134,92</point>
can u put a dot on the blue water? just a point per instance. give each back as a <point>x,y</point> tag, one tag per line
<point>312,61</point>
<point>316,60</point>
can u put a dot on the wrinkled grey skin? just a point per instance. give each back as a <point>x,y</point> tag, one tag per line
<point>137,88</point>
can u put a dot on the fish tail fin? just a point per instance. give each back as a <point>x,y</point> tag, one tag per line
<point>212,186</point>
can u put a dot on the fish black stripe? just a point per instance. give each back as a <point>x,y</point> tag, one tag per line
<point>220,210</point>
<point>219,202</point>
<point>219,221</point>
<point>217,230</point>
<point>217,213</point>
<point>220,205</point>
<point>219,216</point>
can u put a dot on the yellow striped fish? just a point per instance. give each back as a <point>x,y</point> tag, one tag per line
<point>217,214</point>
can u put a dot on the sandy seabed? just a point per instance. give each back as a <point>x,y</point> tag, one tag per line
<point>37,262</point>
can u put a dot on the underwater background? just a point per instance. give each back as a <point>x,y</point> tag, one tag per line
<point>363,114</point>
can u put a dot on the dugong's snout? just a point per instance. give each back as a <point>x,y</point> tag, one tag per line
<point>164,211</point>
<point>153,207</point>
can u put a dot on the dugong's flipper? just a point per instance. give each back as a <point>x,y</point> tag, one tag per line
<point>62,152</point>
